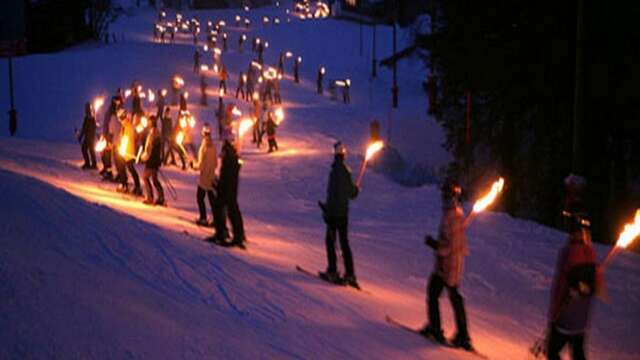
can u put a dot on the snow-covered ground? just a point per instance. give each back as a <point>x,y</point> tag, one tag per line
<point>89,273</point>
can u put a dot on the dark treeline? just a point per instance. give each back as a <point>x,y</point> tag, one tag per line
<point>516,61</point>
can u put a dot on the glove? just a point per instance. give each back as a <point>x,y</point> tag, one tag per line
<point>431,242</point>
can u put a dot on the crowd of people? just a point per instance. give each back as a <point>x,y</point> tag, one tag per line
<point>133,136</point>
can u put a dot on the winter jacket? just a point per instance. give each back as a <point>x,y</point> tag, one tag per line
<point>229,173</point>
<point>152,155</point>
<point>452,247</point>
<point>577,279</point>
<point>271,126</point>
<point>207,164</point>
<point>88,132</point>
<point>340,190</point>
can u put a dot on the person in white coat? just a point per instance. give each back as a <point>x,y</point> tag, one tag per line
<point>207,163</point>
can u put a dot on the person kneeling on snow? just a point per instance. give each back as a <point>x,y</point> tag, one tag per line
<point>207,164</point>
<point>450,249</point>
<point>152,158</point>
<point>577,279</point>
<point>340,191</point>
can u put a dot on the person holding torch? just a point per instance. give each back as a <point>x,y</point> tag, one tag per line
<point>335,212</point>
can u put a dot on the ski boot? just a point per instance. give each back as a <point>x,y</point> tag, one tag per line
<point>202,222</point>
<point>85,167</point>
<point>433,334</point>
<point>160,202</point>
<point>462,342</point>
<point>123,188</point>
<point>330,276</point>
<point>148,201</point>
<point>350,280</point>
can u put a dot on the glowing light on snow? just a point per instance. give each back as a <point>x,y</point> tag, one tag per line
<point>491,196</point>
<point>101,144</point>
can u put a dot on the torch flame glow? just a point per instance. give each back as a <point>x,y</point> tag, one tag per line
<point>192,122</point>
<point>236,111</point>
<point>244,126</point>
<point>144,121</point>
<point>163,92</point>
<point>204,67</point>
<point>127,93</point>
<point>97,103</point>
<point>488,199</point>
<point>221,92</point>
<point>101,144</point>
<point>288,54</point>
<point>373,149</point>
<point>630,232</point>
<point>152,96</point>
<point>123,145</point>
<point>279,113</point>
<point>179,138</point>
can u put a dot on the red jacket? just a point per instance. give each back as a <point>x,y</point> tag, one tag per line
<point>570,302</point>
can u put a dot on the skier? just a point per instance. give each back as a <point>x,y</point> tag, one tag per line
<point>346,98</point>
<point>340,190</point>
<point>223,79</point>
<point>242,79</point>
<point>257,124</point>
<point>127,155</point>
<point>152,157</point>
<point>296,70</point>
<point>167,131</point>
<point>271,131</point>
<point>106,172</point>
<point>224,42</point>
<point>207,163</point>
<point>577,279</point>
<point>160,103</point>
<point>203,91</point>
<point>319,80</point>
<point>87,138</point>
<point>276,90</point>
<point>450,249</point>
<point>241,40</point>
<point>227,200</point>
<point>196,61</point>
<point>281,64</point>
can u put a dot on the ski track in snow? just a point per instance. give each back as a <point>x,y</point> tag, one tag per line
<point>89,273</point>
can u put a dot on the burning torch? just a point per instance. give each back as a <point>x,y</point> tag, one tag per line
<point>372,149</point>
<point>484,202</point>
<point>629,233</point>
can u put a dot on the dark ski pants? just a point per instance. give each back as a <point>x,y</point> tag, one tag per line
<point>200,198</point>
<point>228,208</point>
<point>223,85</point>
<point>89,153</point>
<point>130,167</point>
<point>558,340</point>
<point>240,91</point>
<point>151,175</point>
<point>339,225</point>
<point>434,290</point>
<point>273,144</point>
<point>106,161</point>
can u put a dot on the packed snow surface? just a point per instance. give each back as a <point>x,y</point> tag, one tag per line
<point>86,272</point>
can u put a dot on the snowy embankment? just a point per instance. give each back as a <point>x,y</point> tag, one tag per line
<point>89,273</point>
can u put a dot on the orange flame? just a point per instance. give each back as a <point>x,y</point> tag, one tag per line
<point>179,138</point>
<point>630,232</point>
<point>279,113</point>
<point>122,150</point>
<point>244,126</point>
<point>491,196</point>
<point>373,149</point>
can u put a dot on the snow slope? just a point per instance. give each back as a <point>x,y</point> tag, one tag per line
<point>89,273</point>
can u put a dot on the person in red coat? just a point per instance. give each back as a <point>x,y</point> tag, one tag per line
<point>577,279</point>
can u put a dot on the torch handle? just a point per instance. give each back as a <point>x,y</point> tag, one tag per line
<point>469,219</point>
<point>610,255</point>
<point>361,174</point>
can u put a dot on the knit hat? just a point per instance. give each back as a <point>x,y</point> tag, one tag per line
<point>339,148</point>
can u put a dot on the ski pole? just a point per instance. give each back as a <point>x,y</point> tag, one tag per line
<point>172,190</point>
